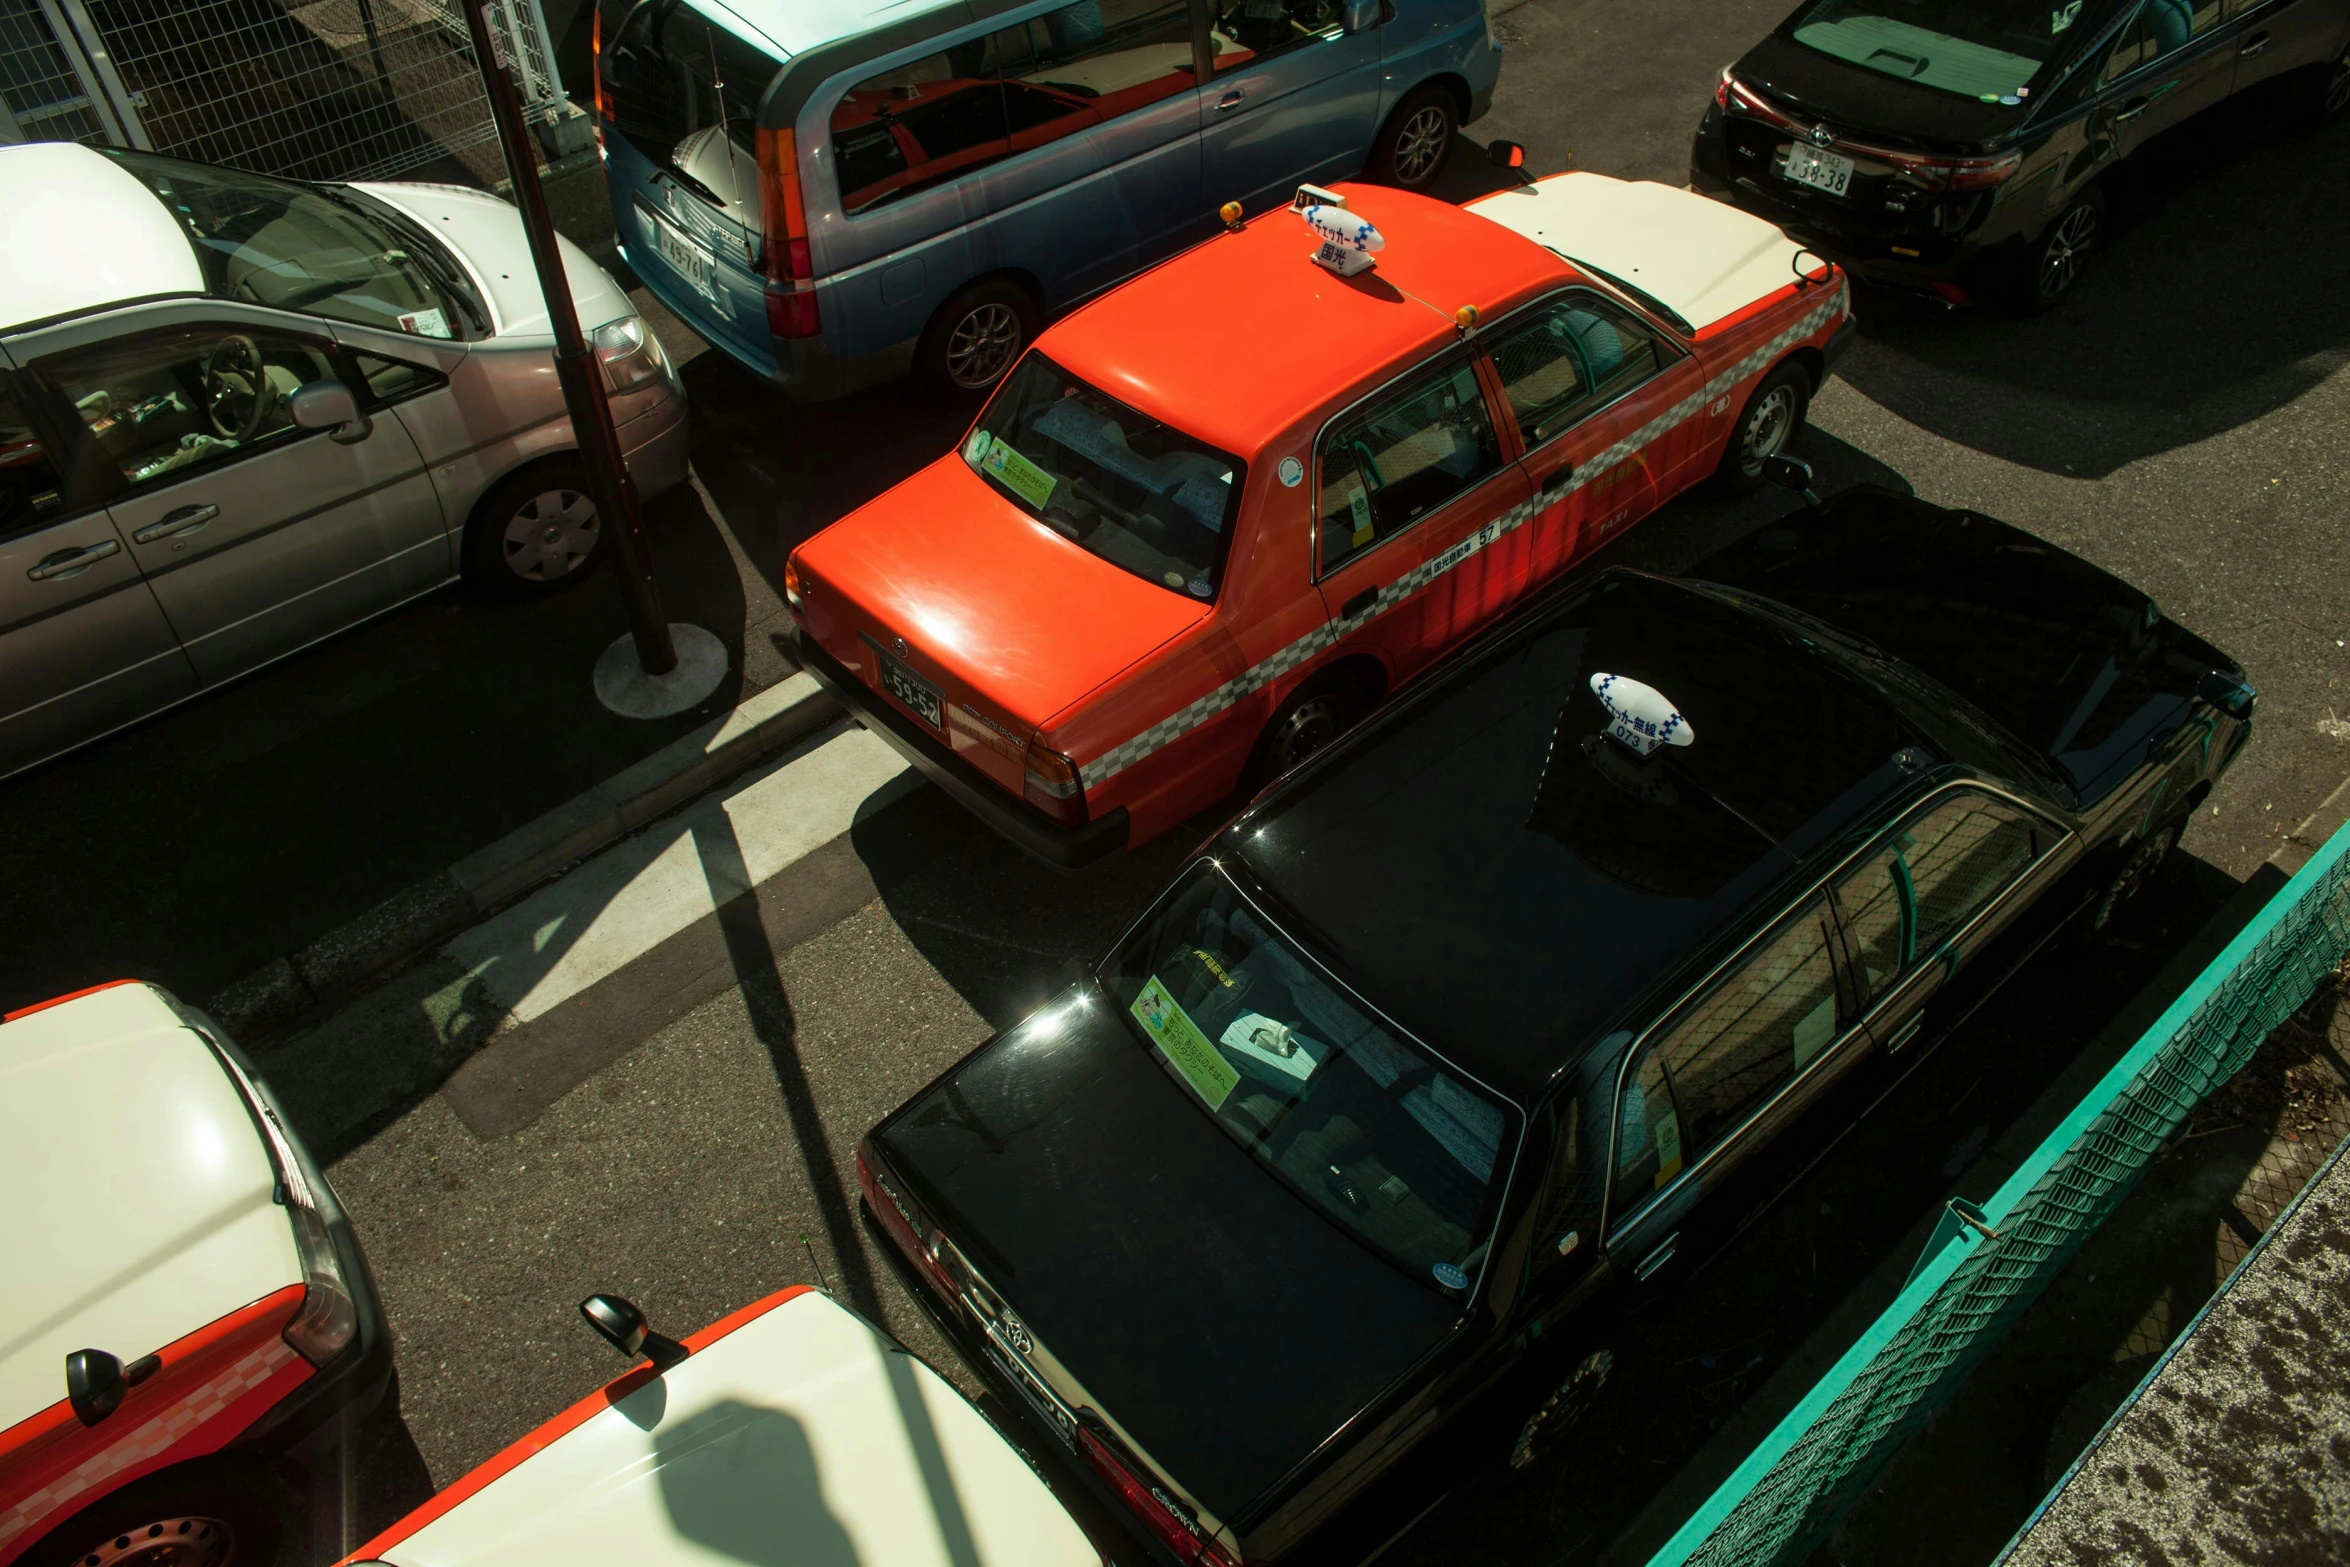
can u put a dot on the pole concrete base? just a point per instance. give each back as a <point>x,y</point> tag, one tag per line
<point>623,686</point>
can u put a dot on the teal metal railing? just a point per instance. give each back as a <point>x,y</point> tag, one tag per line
<point>1983,1268</point>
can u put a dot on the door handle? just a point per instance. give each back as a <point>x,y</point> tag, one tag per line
<point>1230,100</point>
<point>1560,477</point>
<point>173,524</point>
<point>1905,1033</point>
<point>72,563</point>
<point>1359,603</point>
<point>2253,46</point>
<point>1657,1258</point>
<point>2130,111</point>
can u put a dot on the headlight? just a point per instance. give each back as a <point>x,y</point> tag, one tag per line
<point>630,354</point>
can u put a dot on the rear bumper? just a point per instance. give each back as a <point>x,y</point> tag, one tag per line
<point>1065,848</point>
<point>807,369</point>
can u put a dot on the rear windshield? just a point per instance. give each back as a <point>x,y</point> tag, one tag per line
<point>1134,491</point>
<point>1404,1154</point>
<point>685,92</point>
<point>1985,49</point>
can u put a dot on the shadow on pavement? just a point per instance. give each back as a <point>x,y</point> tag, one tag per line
<point>2222,304</point>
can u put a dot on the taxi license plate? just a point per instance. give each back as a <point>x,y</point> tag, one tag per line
<point>689,260</point>
<point>912,690</point>
<point>1820,169</point>
<point>1054,1412</point>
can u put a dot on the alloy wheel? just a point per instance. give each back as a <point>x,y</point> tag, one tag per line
<point>1313,724</point>
<point>982,346</point>
<point>1767,429</point>
<point>167,1542</point>
<point>1420,144</point>
<point>2337,96</point>
<point>550,534</point>
<point>2061,254</point>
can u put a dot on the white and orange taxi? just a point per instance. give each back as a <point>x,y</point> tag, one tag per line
<point>183,1307</point>
<point>1211,517</point>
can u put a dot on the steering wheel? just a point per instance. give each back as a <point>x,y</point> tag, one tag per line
<point>238,393</point>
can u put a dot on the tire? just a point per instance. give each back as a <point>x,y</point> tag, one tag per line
<point>1412,144</point>
<point>2329,95</point>
<point>1312,716</point>
<point>535,532</point>
<point>205,1514</point>
<point>976,336</point>
<point>2140,868</point>
<point>2052,265</point>
<point>1767,425</point>
<point>1567,1407</point>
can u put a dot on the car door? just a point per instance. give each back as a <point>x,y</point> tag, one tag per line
<point>84,646</point>
<point>2274,37</point>
<point>1295,99</point>
<point>1583,378</point>
<point>257,535</point>
<point>1924,905</point>
<point>1707,1101</point>
<point>1410,487</point>
<point>2175,62</point>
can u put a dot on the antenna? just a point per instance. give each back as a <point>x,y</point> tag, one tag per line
<point>822,1282</point>
<point>726,135</point>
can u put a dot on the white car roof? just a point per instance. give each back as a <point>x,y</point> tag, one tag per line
<point>140,1201</point>
<point>83,233</point>
<point>802,1435</point>
<point>797,26</point>
<point>1704,258</point>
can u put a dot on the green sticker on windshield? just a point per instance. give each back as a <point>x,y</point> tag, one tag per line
<point>1031,483</point>
<point>1179,1039</point>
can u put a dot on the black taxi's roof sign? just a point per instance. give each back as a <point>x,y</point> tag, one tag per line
<point>1639,715</point>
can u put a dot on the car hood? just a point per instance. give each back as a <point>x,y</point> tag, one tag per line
<point>1220,1323</point>
<point>487,235</point>
<point>802,1432</point>
<point>988,598</point>
<point>1703,258</point>
<point>143,1205</point>
<point>2066,657</point>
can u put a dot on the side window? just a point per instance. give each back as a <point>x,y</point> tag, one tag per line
<point>1767,1020</point>
<point>1384,469</point>
<point>1569,359</point>
<point>1648,1134</point>
<point>389,380</point>
<point>2131,50</point>
<point>32,489</point>
<point>2166,25</point>
<point>1247,30</point>
<point>165,402</point>
<point>1111,56</point>
<point>1923,885</point>
<point>926,122</point>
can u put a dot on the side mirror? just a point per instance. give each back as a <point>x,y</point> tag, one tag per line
<point>1790,473</point>
<point>620,1324</point>
<point>94,1384</point>
<point>1359,16</point>
<point>1505,154</point>
<point>329,406</point>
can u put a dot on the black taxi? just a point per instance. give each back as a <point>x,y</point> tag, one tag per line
<point>1517,1004</point>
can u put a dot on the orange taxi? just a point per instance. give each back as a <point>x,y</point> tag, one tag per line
<point>1212,517</point>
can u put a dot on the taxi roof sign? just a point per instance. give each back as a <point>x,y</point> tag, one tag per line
<point>1639,715</point>
<point>1347,243</point>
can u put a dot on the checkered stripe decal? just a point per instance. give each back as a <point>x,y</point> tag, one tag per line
<point>1306,648</point>
<point>152,1440</point>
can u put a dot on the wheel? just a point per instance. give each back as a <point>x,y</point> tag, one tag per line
<point>1771,420</point>
<point>975,337</point>
<point>1411,146</point>
<point>1568,1406</point>
<point>2052,266</point>
<point>200,1515</point>
<point>2135,873</point>
<point>535,531</point>
<point>1315,714</point>
<point>2329,94</point>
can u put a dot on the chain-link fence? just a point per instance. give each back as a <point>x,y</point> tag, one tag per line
<point>1983,1269</point>
<point>311,89</point>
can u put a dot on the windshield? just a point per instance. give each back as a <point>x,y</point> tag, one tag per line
<point>1128,488</point>
<point>1402,1153</point>
<point>297,247</point>
<point>1985,49</point>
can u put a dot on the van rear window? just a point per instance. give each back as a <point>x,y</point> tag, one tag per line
<point>669,73</point>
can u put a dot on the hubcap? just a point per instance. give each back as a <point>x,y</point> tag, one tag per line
<point>1767,428</point>
<point>1314,725</point>
<point>2338,86</point>
<point>168,1542</point>
<point>982,346</point>
<point>1419,146</point>
<point>2068,242</point>
<point>550,534</point>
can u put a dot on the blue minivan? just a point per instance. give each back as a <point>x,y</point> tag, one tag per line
<point>836,192</point>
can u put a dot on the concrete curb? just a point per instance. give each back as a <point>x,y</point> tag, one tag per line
<point>348,959</point>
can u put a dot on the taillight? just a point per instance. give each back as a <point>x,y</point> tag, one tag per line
<point>1731,93</point>
<point>905,1227</point>
<point>1053,783</point>
<point>1154,1507</point>
<point>790,265</point>
<point>794,590</point>
<point>596,70</point>
<point>1947,174</point>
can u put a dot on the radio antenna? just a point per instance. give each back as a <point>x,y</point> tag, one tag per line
<point>822,1282</point>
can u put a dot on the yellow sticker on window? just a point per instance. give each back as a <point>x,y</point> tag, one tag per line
<point>1668,1148</point>
<point>1359,506</point>
<point>1031,483</point>
<point>1203,1066</point>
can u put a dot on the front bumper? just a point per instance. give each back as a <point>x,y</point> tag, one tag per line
<point>655,445</point>
<point>1840,339</point>
<point>1064,848</point>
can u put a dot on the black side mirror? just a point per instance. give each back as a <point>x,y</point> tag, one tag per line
<point>1790,473</point>
<point>621,1325</point>
<point>94,1384</point>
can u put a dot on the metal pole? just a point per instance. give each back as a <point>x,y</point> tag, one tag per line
<point>575,365</point>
